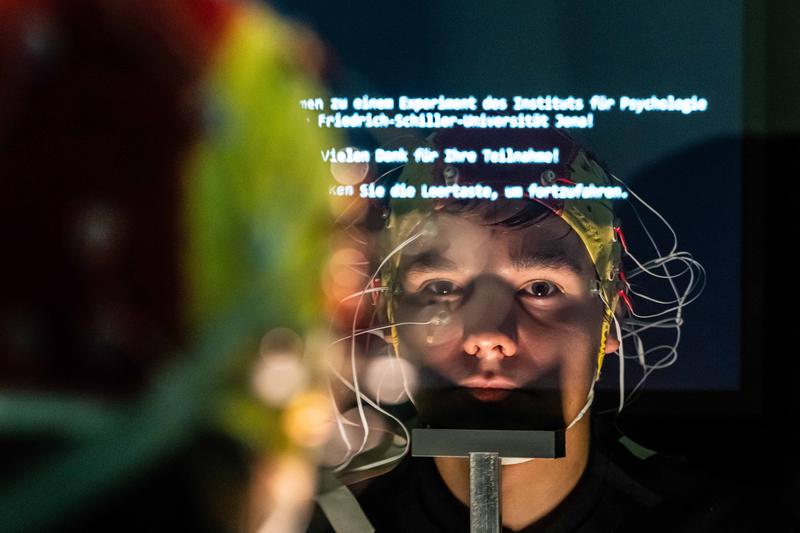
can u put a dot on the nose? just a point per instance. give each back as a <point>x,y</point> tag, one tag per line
<point>490,345</point>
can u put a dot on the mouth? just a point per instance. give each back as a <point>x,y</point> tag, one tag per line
<point>497,382</point>
<point>489,390</point>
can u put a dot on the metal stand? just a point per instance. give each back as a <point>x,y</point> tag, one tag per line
<point>484,449</point>
<point>484,492</point>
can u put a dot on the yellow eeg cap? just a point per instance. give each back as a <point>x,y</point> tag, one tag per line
<point>593,221</point>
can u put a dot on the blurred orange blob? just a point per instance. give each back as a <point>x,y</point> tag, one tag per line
<point>281,494</point>
<point>308,420</point>
<point>291,480</point>
<point>345,279</point>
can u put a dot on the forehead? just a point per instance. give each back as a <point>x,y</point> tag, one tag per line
<point>468,241</point>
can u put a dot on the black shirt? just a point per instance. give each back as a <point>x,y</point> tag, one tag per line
<point>618,492</point>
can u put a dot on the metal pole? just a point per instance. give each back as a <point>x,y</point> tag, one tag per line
<point>484,492</point>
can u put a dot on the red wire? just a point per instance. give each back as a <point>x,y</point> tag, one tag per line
<point>624,280</point>
<point>618,231</point>
<point>627,301</point>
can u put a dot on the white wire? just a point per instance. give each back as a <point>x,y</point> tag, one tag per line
<point>621,354</point>
<point>652,240</point>
<point>589,400</point>
<point>369,401</point>
<point>635,325</point>
<point>359,404</point>
<point>361,293</point>
<point>680,300</point>
<point>379,328</point>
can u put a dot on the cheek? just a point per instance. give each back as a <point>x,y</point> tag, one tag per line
<point>567,337</point>
<point>580,364</point>
<point>432,342</point>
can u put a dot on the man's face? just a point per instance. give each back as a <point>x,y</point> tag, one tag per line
<point>520,330</point>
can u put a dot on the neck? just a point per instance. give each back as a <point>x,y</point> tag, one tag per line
<point>532,489</point>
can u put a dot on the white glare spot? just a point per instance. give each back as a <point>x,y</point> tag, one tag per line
<point>388,378</point>
<point>277,377</point>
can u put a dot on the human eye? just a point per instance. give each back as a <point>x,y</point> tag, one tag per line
<point>440,290</point>
<point>540,289</point>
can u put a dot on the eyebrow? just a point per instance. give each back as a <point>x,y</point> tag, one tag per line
<point>431,261</point>
<point>554,258</point>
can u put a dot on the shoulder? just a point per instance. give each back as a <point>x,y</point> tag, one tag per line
<point>665,493</point>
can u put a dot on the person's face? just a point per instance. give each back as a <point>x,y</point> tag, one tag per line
<point>517,346</point>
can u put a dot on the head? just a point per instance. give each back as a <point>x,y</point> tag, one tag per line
<point>497,303</point>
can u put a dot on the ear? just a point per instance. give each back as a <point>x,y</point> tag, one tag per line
<point>612,342</point>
